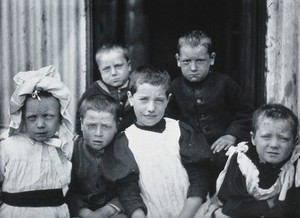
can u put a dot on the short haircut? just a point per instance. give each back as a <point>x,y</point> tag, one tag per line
<point>100,103</point>
<point>109,47</point>
<point>194,39</point>
<point>275,112</point>
<point>151,75</point>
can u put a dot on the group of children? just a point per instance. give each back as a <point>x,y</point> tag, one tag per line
<point>148,147</point>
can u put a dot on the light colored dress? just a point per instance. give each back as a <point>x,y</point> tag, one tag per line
<point>163,179</point>
<point>26,165</point>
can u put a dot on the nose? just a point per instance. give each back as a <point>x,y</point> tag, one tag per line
<point>274,143</point>
<point>113,71</point>
<point>40,123</point>
<point>193,66</point>
<point>151,106</point>
<point>99,131</point>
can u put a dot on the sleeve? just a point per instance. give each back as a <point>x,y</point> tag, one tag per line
<point>195,153</point>
<point>241,109</point>
<point>2,164</point>
<point>237,202</point>
<point>129,194</point>
<point>119,166</point>
<point>74,200</point>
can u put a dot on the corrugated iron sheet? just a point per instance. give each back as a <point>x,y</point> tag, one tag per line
<point>37,33</point>
<point>283,53</point>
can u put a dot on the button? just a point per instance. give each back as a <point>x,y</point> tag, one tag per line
<point>202,115</point>
<point>121,103</point>
<point>121,118</point>
<point>199,101</point>
<point>119,90</point>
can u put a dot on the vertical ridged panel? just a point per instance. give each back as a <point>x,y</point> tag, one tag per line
<point>282,53</point>
<point>37,33</point>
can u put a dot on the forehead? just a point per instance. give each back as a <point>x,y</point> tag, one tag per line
<point>112,53</point>
<point>266,123</point>
<point>189,50</point>
<point>98,116</point>
<point>149,89</point>
<point>46,103</point>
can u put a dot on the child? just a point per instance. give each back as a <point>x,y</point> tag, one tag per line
<point>210,102</point>
<point>160,164</point>
<point>90,194</point>
<point>34,160</point>
<point>258,175</point>
<point>114,66</point>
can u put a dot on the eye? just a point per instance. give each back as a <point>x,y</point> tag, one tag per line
<point>160,100</point>
<point>49,116</point>
<point>118,66</point>
<point>266,137</point>
<point>106,127</point>
<point>143,99</point>
<point>31,118</point>
<point>92,126</point>
<point>200,61</point>
<point>186,61</point>
<point>284,139</point>
<point>105,69</point>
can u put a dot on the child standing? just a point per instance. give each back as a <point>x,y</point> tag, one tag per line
<point>159,163</point>
<point>211,102</point>
<point>34,160</point>
<point>114,66</point>
<point>257,175</point>
<point>91,194</point>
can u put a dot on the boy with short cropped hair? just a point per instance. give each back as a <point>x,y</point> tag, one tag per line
<point>259,174</point>
<point>91,194</point>
<point>114,66</point>
<point>161,162</point>
<point>212,103</point>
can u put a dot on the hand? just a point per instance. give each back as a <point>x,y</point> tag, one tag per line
<point>224,142</point>
<point>138,213</point>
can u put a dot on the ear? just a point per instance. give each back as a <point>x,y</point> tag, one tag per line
<point>168,98</point>
<point>129,65</point>
<point>212,58</point>
<point>81,123</point>
<point>130,98</point>
<point>252,137</point>
<point>177,59</point>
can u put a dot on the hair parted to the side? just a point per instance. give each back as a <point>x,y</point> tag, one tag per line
<point>151,75</point>
<point>106,47</point>
<point>194,39</point>
<point>276,112</point>
<point>100,103</point>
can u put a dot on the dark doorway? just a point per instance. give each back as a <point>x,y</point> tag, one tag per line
<point>151,28</point>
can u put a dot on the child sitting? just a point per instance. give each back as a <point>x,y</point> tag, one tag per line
<point>159,163</point>
<point>213,103</point>
<point>114,66</point>
<point>257,175</point>
<point>35,166</point>
<point>91,194</point>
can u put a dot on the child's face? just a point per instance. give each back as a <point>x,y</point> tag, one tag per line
<point>149,103</point>
<point>194,62</point>
<point>41,118</point>
<point>273,139</point>
<point>113,67</point>
<point>98,128</point>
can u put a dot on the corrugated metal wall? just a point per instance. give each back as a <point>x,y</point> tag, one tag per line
<point>37,33</point>
<point>282,53</point>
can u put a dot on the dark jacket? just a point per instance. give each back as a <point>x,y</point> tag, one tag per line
<point>216,106</point>
<point>89,188</point>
